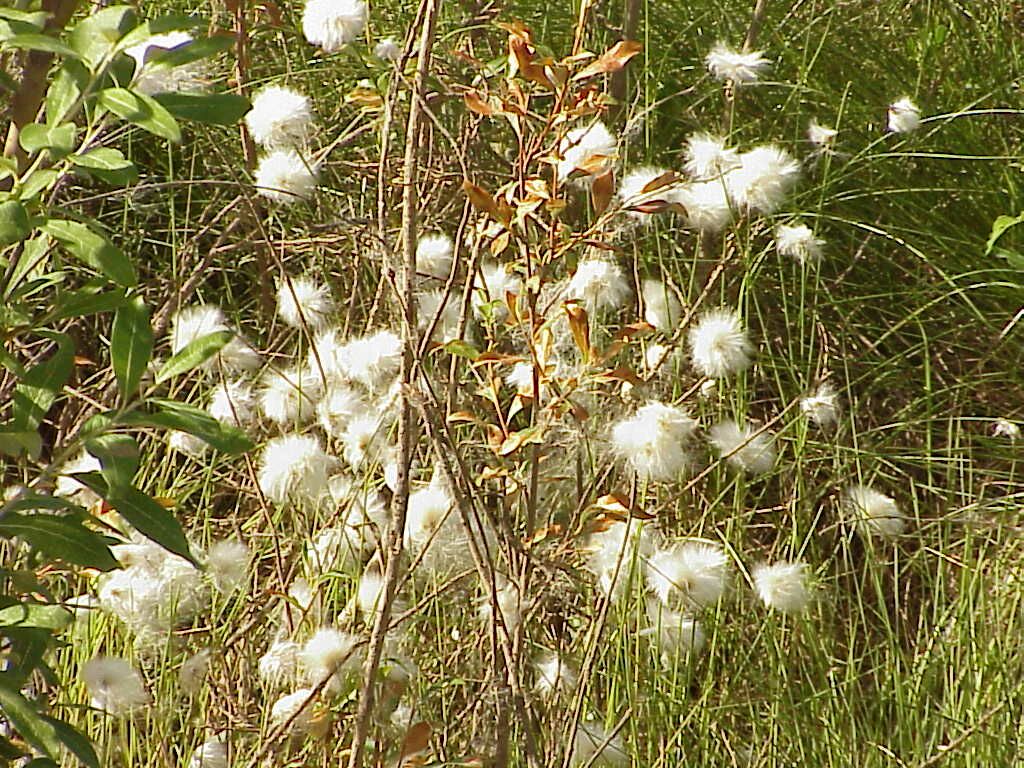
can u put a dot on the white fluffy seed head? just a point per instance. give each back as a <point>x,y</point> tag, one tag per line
<point>593,745</point>
<point>294,467</point>
<point>280,117</point>
<point>150,79</point>
<point>745,448</point>
<point>227,564</point>
<point>374,360</point>
<point>492,287</point>
<point>364,439</point>
<point>210,754</point>
<point>387,50</point>
<point>290,708</point>
<point>822,407</point>
<point>675,634</point>
<point>300,300</point>
<point>280,665</point>
<point>70,488</point>
<point>284,176</point>
<point>1006,428</point>
<point>326,654</point>
<point>707,157</point>
<point>192,323</point>
<point>434,256</point>
<point>339,406</point>
<point>589,150</point>
<point>662,308</point>
<point>290,397</point>
<point>638,188</point>
<point>187,443</point>
<point>798,242</point>
<point>333,24</point>
<point>782,586</point>
<point>763,180</point>
<point>233,403</point>
<point>555,676</point>
<point>904,116</point>
<point>719,345</point>
<point>600,283</point>
<point>511,604</point>
<point>615,553</point>
<point>821,136</point>
<point>726,63</point>
<point>873,513</point>
<point>655,441</point>
<point>706,204</point>
<point>193,671</point>
<point>113,685</point>
<point>688,574</point>
<point>431,304</point>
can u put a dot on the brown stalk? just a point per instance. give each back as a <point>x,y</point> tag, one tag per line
<point>406,426</point>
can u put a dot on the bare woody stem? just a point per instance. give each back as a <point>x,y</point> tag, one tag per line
<point>760,9</point>
<point>400,502</point>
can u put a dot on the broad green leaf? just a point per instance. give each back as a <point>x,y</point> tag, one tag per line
<point>108,164</point>
<point>195,421</point>
<point>214,109</point>
<point>999,228</point>
<point>131,344</point>
<point>151,520</point>
<point>194,51</point>
<point>37,183</point>
<point>32,260</point>
<point>141,110</point>
<point>59,139</point>
<point>13,27</point>
<point>462,349</point>
<point>15,442</point>
<point>37,391</point>
<point>194,355</point>
<point>34,18</point>
<point>86,302</point>
<point>118,456</point>
<point>93,249</point>
<point>38,615</point>
<point>36,41</point>
<point>14,223</point>
<point>34,502</point>
<point>65,89</point>
<point>75,741</point>
<point>35,729</point>
<point>94,37</point>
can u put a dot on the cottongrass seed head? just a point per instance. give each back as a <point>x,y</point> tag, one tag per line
<point>904,116</point>
<point>1006,428</point>
<point>707,157</point>
<point>600,283</point>
<point>492,287</point>
<point>726,63</point>
<point>783,586</point>
<point>745,448</point>
<point>654,441</point>
<point>798,242</point>
<point>822,407</point>
<point>589,150</point>
<point>293,708</point>
<point>719,345</point>
<point>329,653</point>
<point>281,663</point>
<point>300,299</point>
<point>676,635</point>
<point>227,565</point>
<point>189,324</point>
<point>763,180</point>
<point>434,256</point>
<point>290,397</point>
<point>194,671</point>
<point>284,176</point>
<point>210,754</point>
<point>821,136</point>
<point>595,746</point>
<point>233,403</point>
<point>641,187</point>
<point>706,204</point>
<point>114,686</point>
<point>333,24</point>
<point>555,676</point>
<point>873,513</point>
<point>294,467</point>
<point>280,117</point>
<point>388,50</point>
<point>662,307</point>
<point>688,574</point>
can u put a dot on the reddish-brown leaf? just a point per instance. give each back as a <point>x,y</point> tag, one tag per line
<point>601,191</point>
<point>416,740</point>
<point>476,103</point>
<point>612,60</point>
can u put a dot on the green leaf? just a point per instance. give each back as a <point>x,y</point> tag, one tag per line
<point>151,520</point>
<point>93,249</point>
<point>141,110</point>
<point>108,164</point>
<point>34,41</point>
<point>32,726</point>
<point>13,27</point>
<point>95,36</point>
<point>462,349</point>
<point>38,615</point>
<point>67,86</point>
<point>34,18</point>
<point>195,421</point>
<point>87,301</point>
<point>75,741</point>
<point>14,223</point>
<point>37,391</point>
<point>61,536</point>
<point>214,109</point>
<point>118,456</point>
<point>59,139</point>
<point>131,344</point>
<point>194,355</point>
<point>37,183</point>
<point>201,48</point>
<point>999,228</point>
<point>15,442</point>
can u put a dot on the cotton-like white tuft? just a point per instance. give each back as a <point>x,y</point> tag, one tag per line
<point>187,443</point>
<point>719,345</point>
<point>233,403</point>
<point>284,176</point>
<point>593,746</point>
<point>655,355</point>
<point>600,283</point>
<point>589,150</point>
<point>904,116</point>
<point>555,676</point>
<point>614,554</point>
<point>744,447</point>
<point>765,177</point>
<point>364,439</point>
<point>210,754</point>
<point>662,308</point>
<point>707,157</point>
<point>654,441</point>
<point>227,564</point>
<point>706,204</point>
<point>387,50</point>
<point>511,603</point>
<point>726,63</point>
<point>333,24</point>
<point>193,671</point>
<point>280,665</point>
<point>492,286</point>
<point>151,79</point>
<point>821,136</point>
<point>434,532</point>
<point>431,304</point>
<point>688,574</point>
<point>290,397</point>
<point>293,708</point>
<point>640,187</point>
<point>280,117</point>
<point>192,323</point>
<point>1006,428</point>
<point>782,586</point>
<point>434,256</point>
<point>675,634</point>
<point>822,407</point>
<point>799,243</point>
<point>370,591</point>
<point>329,653</point>
<point>374,360</point>
<point>873,513</point>
<point>339,406</point>
<point>301,299</point>
<point>294,467</point>
<point>114,686</point>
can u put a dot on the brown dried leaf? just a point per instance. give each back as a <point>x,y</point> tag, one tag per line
<point>580,327</point>
<point>500,243</point>
<point>552,531</point>
<point>462,417</point>
<point>416,740</point>
<point>525,55</point>
<point>612,60</point>
<point>621,374</point>
<point>601,191</point>
<point>476,103</point>
<point>664,180</point>
<point>616,505</point>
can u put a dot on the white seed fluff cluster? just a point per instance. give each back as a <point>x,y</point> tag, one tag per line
<point>763,180</point>
<point>589,150</point>
<point>821,136</point>
<point>152,77</point>
<point>745,448</point>
<point>210,754</point>
<point>294,467</point>
<point>677,635</point>
<point>192,323</point>
<point>387,50</point>
<point>662,307</point>
<point>233,403</point>
<point>655,440</point>
<point>73,490</point>
<point>280,117</point>
<point>284,176</point>
<point>114,686</point>
<point>782,586</point>
<point>873,513</point>
<point>688,574</point>
<point>333,24</point>
<point>798,242</point>
<point>719,345</point>
<point>555,676</point>
<point>301,300</point>
<point>492,287</point>
<point>434,256</point>
<point>594,745</point>
<point>904,116</point>
<point>822,407</point>
<point>646,187</point>
<point>1006,428</point>
<point>290,397</point>
<point>616,553</point>
<point>708,158</point>
<point>600,283</point>
<point>726,63</point>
